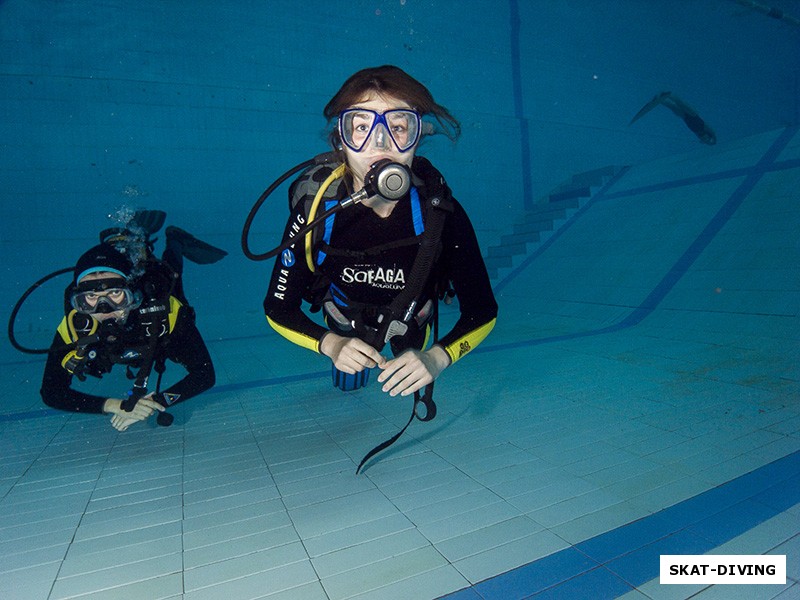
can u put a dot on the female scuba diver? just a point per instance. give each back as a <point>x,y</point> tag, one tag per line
<point>378,268</point>
<point>126,307</point>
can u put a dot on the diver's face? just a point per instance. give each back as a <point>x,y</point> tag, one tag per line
<point>113,295</point>
<point>379,145</point>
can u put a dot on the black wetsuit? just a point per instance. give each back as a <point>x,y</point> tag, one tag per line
<point>364,259</point>
<point>180,343</point>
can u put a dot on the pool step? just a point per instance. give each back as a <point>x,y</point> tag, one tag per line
<point>534,226</point>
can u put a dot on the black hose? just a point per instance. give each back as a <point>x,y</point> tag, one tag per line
<point>19,304</point>
<point>320,159</point>
<point>391,180</point>
<point>299,235</point>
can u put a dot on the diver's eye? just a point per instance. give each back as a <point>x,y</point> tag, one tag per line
<point>116,296</point>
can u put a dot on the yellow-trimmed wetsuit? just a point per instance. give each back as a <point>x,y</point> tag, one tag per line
<point>365,260</point>
<point>180,342</point>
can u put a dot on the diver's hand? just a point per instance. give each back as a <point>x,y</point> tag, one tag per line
<point>121,419</point>
<point>121,423</point>
<point>413,370</point>
<point>350,355</point>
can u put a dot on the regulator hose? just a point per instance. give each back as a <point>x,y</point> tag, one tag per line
<point>320,159</point>
<point>18,305</point>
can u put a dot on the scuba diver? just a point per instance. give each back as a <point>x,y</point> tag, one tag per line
<point>680,108</point>
<point>125,306</point>
<point>378,268</point>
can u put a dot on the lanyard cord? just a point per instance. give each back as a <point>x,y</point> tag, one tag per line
<point>439,206</point>
<point>425,398</point>
<point>430,413</point>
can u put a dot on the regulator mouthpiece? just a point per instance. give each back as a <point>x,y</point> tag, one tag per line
<point>387,179</point>
<point>392,180</point>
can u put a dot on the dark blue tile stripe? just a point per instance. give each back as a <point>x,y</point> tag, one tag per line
<point>598,584</point>
<point>642,565</point>
<point>619,560</point>
<point>766,479</point>
<point>519,108</point>
<point>536,576</point>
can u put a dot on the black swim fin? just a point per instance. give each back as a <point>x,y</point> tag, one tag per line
<point>193,249</point>
<point>149,221</point>
<point>657,99</point>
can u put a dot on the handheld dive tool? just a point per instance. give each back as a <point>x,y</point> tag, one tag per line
<point>139,389</point>
<point>389,179</point>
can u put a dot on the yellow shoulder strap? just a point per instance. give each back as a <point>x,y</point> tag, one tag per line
<point>64,331</point>
<point>335,174</point>
<point>174,306</point>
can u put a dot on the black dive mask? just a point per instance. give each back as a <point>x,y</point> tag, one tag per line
<point>103,296</point>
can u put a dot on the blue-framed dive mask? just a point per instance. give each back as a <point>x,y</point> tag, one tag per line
<point>402,126</point>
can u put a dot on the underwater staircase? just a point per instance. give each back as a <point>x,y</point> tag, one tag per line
<point>534,226</point>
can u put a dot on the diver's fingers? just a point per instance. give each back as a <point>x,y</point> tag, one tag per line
<point>149,402</point>
<point>352,355</point>
<point>409,372</point>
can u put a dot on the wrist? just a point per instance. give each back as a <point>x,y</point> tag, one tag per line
<point>164,400</point>
<point>112,406</point>
<point>440,356</point>
<point>328,338</point>
<point>321,343</point>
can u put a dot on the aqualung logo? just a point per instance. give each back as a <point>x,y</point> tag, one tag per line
<point>393,279</point>
<point>296,226</point>
<point>287,258</point>
<point>280,287</point>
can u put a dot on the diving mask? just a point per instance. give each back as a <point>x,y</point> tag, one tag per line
<point>101,296</point>
<point>358,125</point>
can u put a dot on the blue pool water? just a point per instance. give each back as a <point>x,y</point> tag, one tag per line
<point>638,396</point>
